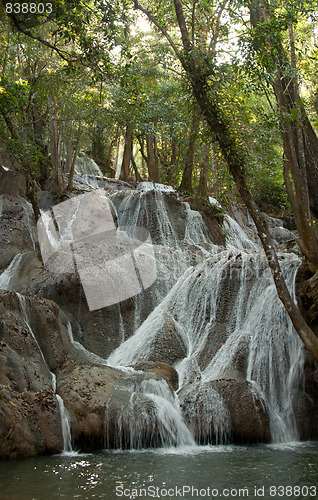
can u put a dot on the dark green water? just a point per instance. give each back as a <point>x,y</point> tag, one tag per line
<point>279,472</point>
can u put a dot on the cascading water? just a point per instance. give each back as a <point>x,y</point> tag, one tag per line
<point>224,305</point>
<point>236,237</point>
<point>65,417</point>
<point>7,277</point>
<point>28,220</point>
<point>152,410</point>
<point>210,306</point>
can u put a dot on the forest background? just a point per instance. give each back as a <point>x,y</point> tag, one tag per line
<point>212,97</point>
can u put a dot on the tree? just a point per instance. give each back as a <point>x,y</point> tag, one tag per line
<point>269,24</point>
<point>200,68</point>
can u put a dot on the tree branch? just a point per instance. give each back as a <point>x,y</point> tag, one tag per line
<point>63,54</point>
<point>154,21</point>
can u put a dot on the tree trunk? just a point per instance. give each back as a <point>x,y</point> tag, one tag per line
<point>173,162</point>
<point>152,163</point>
<point>299,139</point>
<point>236,162</point>
<point>137,174</point>
<point>186,182</point>
<point>72,166</point>
<point>203,182</point>
<point>54,145</point>
<point>127,154</point>
<point>235,157</point>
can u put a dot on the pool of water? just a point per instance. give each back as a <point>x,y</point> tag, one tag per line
<point>273,471</point>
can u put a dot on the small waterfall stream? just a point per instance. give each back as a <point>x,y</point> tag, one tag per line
<point>65,417</point>
<point>218,306</point>
<point>224,305</point>
<point>7,277</point>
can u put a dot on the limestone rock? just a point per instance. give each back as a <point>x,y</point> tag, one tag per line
<point>162,369</point>
<point>17,229</point>
<point>107,407</point>
<point>12,182</point>
<point>225,407</point>
<point>29,411</point>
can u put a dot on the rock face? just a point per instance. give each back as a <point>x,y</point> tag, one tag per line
<point>12,182</point>
<point>17,229</point>
<point>225,410</point>
<point>29,411</point>
<point>204,297</point>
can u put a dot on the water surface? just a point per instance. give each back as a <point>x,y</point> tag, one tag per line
<point>274,471</point>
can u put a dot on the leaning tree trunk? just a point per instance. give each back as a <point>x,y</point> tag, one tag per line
<point>236,162</point>
<point>127,154</point>
<point>236,159</point>
<point>299,139</point>
<point>186,182</point>
<point>203,182</point>
<point>198,71</point>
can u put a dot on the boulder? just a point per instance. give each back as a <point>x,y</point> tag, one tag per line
<point>162,369</point>
<point>17,229</point>
<point>32,342</point>
<point>108,407</point>
<point>12,182</point>
<point>225,410</point>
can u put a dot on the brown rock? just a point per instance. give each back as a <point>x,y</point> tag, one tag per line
<point>29,412</point>
<point>107,407</point>
<point>162,369</point>
<point>12,182</point>
<point>238,416</point>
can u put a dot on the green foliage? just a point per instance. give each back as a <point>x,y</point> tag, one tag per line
<point>106,73</point>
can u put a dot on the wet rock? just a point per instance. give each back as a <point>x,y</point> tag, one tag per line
<point>12,182</point>
<point>107,407</point>
<point>225,411</point>
<point>250,421</point>
<point>306,403</point>
<point>46,200</point>
<point>17,229</point>
<point>282,235</point>
<point>29,411</point>
<point>162,369</point>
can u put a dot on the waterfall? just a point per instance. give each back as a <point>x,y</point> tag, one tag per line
<point>91,181</point>
<point>85,165</point>
<point>7,277</point>
<point>236,237</point>
<point>94,359</point>
<point>215,316</point>
<point>223,305</point>
<point>65,417</point>
<point>28,219</point>
<point>174,249</point>
<point>152,408</point>
<point>65,425</point>
<point>154,186</point>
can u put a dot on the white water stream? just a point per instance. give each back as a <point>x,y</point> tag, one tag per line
<point>222,305</point>
<point>215,303</point>
<point>65,417</point>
